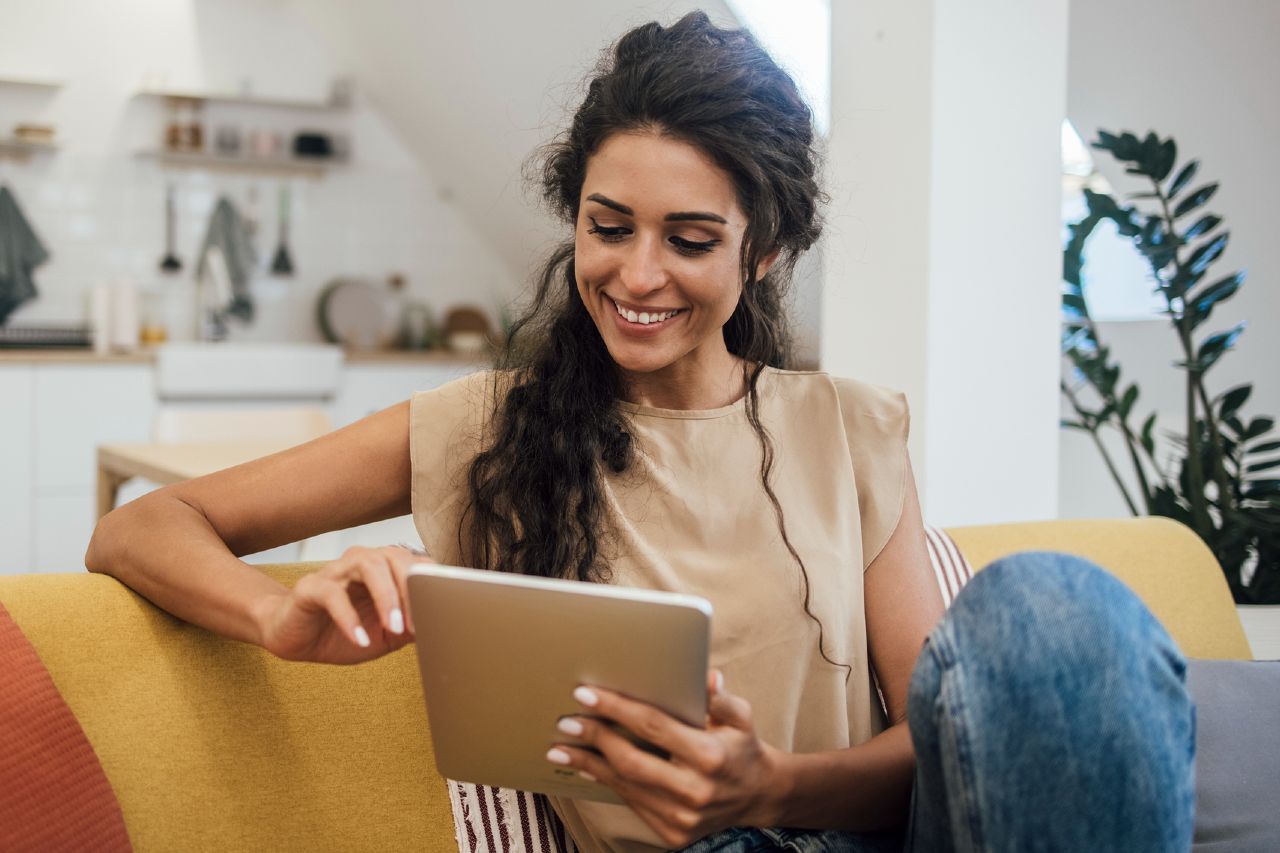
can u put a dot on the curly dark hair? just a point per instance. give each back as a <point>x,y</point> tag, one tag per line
<point>536,490</point>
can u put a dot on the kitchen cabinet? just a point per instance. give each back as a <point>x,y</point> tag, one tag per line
<point>367,388</point>
<point>17,431</point>
<point>55,412</point>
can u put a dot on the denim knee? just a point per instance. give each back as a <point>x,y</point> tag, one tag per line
<point>1047,692</point>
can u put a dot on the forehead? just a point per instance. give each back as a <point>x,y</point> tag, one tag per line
<point>656,175</point>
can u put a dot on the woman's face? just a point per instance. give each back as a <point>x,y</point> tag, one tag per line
<point>657,247</point>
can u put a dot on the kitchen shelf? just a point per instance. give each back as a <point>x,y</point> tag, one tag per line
<point>313,105</point>
<point>21,149</point>
<point>32,82</point>
<point>274,165</point>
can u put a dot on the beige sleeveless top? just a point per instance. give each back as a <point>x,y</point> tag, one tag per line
<point>692,516</point>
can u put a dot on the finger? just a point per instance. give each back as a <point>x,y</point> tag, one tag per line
<point>331,596</point>
<point>729,710</point>
<point>715,681</point>
<point>637,766</point>
<point>417,555</point>
<point>658,804</point>
<point>646,722</point>
<point>372,567</point>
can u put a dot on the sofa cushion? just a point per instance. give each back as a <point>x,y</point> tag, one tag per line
<point>1237,755</point>
<point>54,795</point>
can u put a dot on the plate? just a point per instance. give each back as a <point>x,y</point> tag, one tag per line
<point>359,313</point>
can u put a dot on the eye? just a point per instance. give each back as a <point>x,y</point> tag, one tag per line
<point>693,247</point>
<point>609,235</point>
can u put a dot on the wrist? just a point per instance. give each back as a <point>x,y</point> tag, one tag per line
<point>261,612</point>
<point>779,785</point>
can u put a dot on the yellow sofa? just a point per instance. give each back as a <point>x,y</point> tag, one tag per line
<point>211,744</point>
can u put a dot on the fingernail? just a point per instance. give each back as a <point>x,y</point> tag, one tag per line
<point>362,636</point>
<point>585,775</point>
<point>397,621</point>
<point>569,726</point>
<point>719,681</point>
<point>557,756</point>
<point>586,696</point>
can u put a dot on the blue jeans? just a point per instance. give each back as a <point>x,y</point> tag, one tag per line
<point>1048,712</point>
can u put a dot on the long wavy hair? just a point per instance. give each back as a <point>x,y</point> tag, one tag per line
<point>537,501</point>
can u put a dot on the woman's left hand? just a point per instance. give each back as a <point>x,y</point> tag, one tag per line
<point>714,778</point>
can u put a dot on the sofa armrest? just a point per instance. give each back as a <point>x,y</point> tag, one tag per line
<point>1164,562</point>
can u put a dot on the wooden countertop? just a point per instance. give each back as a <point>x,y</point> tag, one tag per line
<point>146,355</point>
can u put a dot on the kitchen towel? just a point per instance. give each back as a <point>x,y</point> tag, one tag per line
<point>20,253</point>
<point>229,238</point>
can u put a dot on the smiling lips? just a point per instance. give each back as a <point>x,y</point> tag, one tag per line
<point>645,318</point>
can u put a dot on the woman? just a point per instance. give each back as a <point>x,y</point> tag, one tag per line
<point>644,432</point>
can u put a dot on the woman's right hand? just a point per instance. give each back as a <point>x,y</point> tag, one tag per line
<point>354,609</point>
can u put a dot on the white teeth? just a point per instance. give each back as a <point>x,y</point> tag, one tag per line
<point>644,317</point>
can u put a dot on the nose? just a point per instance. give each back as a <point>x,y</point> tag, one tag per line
<point>642,269</point>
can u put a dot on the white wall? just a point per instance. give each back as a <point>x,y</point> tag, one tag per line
<point>943,251</point>
<point>1204,74</point>
<point>99,209</point>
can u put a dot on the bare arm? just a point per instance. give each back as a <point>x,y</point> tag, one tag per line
<point>868,786</point>
<point>179,546</point>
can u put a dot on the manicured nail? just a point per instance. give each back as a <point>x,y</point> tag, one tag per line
<point>569,726</point>
<point>719,681</point>
<point>397,621</point>
<point>362,636</point>
<point>586,696</point>
<point>557,756</point>
<point>585,775</point>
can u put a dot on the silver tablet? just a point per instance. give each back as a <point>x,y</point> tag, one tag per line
<point>501,654</point>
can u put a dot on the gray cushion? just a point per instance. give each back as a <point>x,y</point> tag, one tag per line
<point>1237,755</point>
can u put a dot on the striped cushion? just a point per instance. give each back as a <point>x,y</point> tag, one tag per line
<point>500,820</point>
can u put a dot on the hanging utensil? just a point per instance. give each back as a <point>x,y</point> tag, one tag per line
<point>170,263</point>
<point>281,263</point>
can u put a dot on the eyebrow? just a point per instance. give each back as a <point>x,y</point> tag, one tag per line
<point>687,216</point>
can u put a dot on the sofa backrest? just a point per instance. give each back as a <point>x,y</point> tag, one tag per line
<point>1164,562</point>
<point>212,744</point>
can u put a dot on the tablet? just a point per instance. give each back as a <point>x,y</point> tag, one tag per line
<point>500,656</point>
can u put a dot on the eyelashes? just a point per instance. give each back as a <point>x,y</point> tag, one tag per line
<point>616,234</point>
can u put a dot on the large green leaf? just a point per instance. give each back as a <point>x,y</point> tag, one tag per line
<point>1166,156</point>
<point>1265,448</point>
<point>1259,426</point>
<point>1148,440</point>
<point>1194,200</point>
<point>1203,225</point>
<point>1208,252</point>
<point>1126,402</point>
<point>1184,176</point>
<point>1231,401</point>
<point>1215,345</point>
<point>1200,304</point>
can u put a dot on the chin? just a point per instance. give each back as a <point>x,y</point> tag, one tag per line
<point>634,359</point>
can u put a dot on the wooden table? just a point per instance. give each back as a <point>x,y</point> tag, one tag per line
<point>170,463</point>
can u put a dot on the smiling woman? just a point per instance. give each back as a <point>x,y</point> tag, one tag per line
<point>644,430</point>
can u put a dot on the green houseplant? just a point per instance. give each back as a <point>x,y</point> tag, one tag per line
<point>1218,475</point>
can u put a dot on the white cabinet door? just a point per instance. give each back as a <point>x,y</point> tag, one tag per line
<point>17,427</point>
<point>64,520</point>
<point>368,388</point>
<point>79,407</point>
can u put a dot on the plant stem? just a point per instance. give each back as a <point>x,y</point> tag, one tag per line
<point>1106,457</point>
<point>1195,471</point>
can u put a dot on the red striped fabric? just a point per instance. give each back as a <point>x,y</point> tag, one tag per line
<point>500,820</point>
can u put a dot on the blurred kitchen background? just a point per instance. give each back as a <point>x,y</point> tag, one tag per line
<point>266,218</point>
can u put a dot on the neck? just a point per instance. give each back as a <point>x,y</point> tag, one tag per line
<point>690,383</point>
